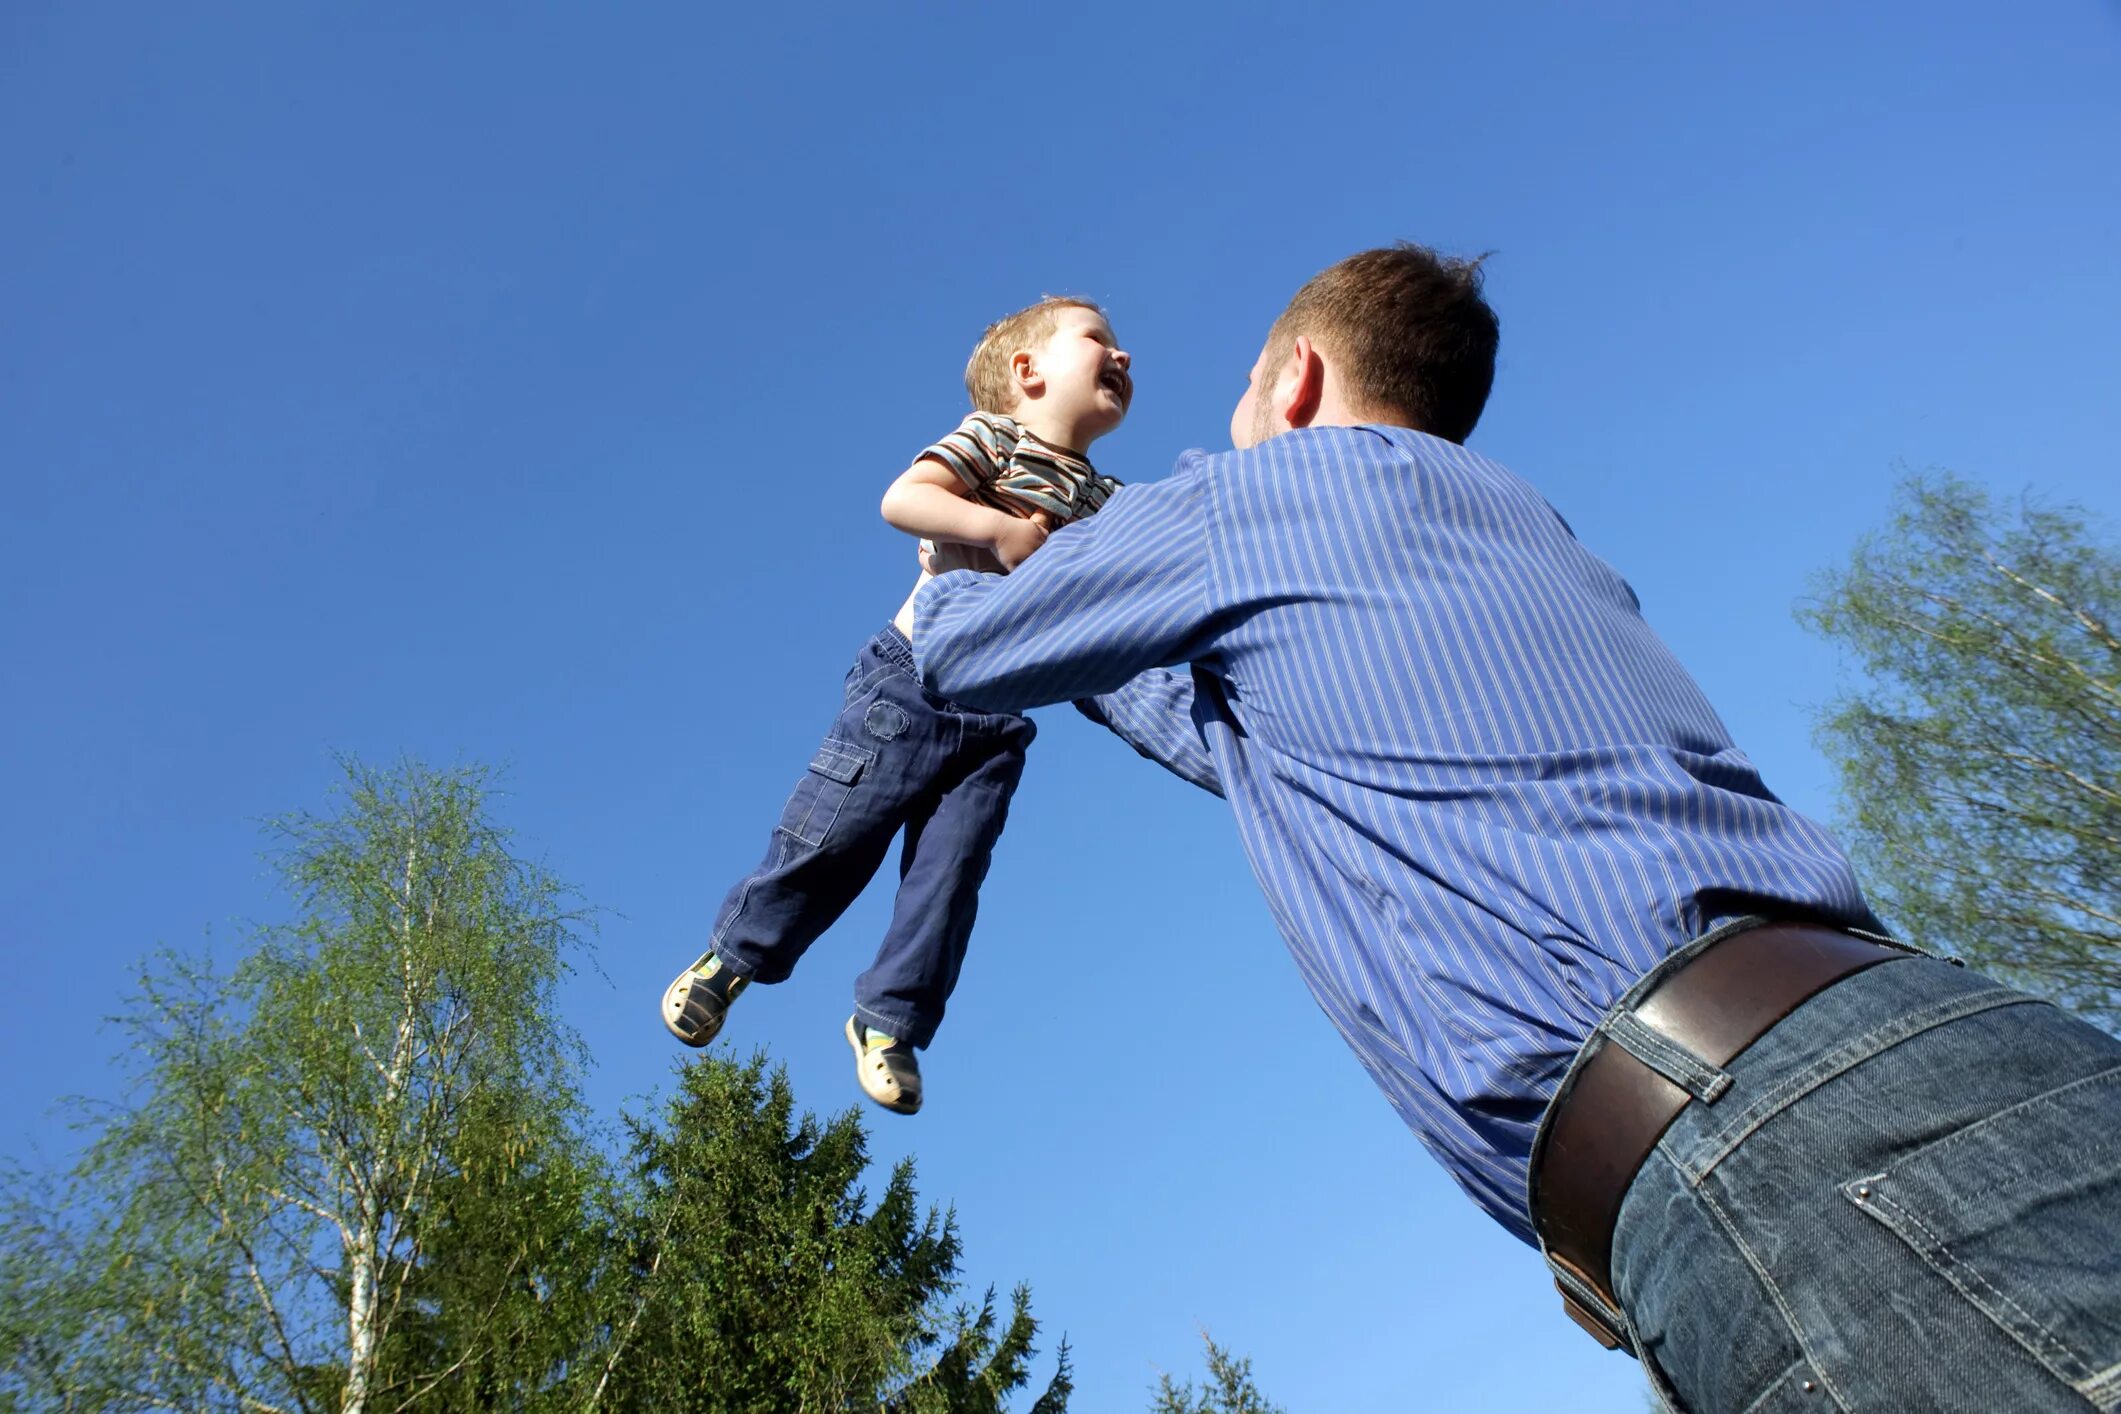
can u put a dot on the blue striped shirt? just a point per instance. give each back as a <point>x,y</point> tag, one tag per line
<point>1480,795</point>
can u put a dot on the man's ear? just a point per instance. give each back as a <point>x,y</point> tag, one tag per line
<point>1024,373</point>
<point>1301,385</point>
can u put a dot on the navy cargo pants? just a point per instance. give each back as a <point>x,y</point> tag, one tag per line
<point>897,757</point>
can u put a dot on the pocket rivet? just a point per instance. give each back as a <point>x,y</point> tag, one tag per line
<point>1862,1193</point>
<point>1809,1386</point>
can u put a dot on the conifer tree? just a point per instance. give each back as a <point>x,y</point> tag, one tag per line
<point>1228,1389</point>
<point>760,1278</point>
<point>356,1174</point>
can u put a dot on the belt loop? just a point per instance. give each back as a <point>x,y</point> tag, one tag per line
<point>1667,1057</point>
<point>1581,1299</point>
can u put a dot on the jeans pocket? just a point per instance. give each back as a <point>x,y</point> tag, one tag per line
<point>811,811</point>
<point>2022,1213</point>
<point>1797,1390</point>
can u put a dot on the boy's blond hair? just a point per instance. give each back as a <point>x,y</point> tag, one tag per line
<point>987,376</point>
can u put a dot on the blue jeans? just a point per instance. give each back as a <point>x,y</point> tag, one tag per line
<point>1908,1199</point>
<point>896,757</point>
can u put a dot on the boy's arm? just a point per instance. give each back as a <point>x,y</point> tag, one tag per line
<point>930,501</point>
<point>1154,714</point>
<point>1109,598</point>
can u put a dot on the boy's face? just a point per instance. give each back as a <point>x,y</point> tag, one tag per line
<point>1084,373</point>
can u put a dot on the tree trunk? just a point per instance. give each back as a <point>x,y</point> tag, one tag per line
<point>360,1316</point>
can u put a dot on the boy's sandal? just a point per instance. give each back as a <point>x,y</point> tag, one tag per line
<point>886,1068</point>
<point>694,1007</point>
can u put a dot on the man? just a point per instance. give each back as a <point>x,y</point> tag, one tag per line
<point>1635,1005</point>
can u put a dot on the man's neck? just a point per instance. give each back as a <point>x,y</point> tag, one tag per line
<point>1334,409</point>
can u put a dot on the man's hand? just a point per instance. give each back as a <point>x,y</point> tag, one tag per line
<point>1015,542</point>
<point>943,556</point>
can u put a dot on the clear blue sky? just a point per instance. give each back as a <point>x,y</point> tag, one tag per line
<point>517,384</point>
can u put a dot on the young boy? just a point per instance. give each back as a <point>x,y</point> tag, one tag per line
<point>1045,382</point>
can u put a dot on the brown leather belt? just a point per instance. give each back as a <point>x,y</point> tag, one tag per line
<point>1614,1109</point>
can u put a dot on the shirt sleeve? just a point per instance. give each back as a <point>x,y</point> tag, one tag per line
<point>1103,600</point>
<point>978,451</point>
<point>1153,713</point>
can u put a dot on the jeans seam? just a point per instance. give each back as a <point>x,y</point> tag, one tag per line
<point>729,918</point>
<point>2068,1359</point>
<point>1782,1307</point>
<point>1800,1363</point>
<point>825,833</point>
<point>895,650</point>
<point>899,1029</point>
<point>1627,1001</point>
<point>840,746</point>
<point>735,964</point>
<point>1715,1148</point>
<point>2104,1388</point>
<point>735,910</point>
<point>1958,1136</point>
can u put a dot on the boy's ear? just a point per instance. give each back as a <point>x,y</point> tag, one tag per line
<point>1301,385</point>
<point>1024,373</point>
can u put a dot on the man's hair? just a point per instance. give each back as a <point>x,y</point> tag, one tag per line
<point>1407,329</point>
<point>987,376</point>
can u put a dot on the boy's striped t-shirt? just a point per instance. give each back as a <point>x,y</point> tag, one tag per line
<point>1009,468</point>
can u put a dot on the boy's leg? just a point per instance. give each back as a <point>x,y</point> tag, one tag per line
<point>876,761</point>
<point>945,858</point>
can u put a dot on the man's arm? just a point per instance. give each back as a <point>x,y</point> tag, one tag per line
<point>1154,715</point>
<point>1107,599</point>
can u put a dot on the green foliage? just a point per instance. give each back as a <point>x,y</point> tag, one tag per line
<point>1227,1390</point>
<point>356,1175</point>
<point>760,1278</point>
<point>279,1216</point>
<point>1981,760</point>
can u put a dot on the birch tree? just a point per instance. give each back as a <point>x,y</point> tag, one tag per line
<point>356,1175</point>
<point>1980,757</point>
<point>273,1220</point>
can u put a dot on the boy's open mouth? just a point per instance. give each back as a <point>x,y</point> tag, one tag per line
<point>1117,381</point>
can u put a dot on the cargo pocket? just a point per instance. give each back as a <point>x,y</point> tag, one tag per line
<point>2018,1211</point>
<point>811,811</point>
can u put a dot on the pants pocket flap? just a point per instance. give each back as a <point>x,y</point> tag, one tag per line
<point>838,761</point>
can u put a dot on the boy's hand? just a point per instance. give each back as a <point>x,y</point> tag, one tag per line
<point>1015,542</point>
